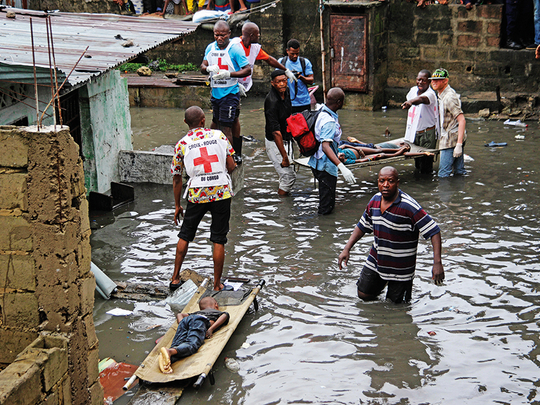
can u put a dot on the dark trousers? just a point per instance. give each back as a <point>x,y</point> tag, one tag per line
<point>189,336</point>
<point>327,191</point>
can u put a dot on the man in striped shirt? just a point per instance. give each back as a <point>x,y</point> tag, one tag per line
<point>396,221</point>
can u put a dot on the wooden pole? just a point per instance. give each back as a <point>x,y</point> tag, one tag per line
<point>323,50</point>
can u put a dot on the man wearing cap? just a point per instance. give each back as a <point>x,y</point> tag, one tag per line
<point>278,141</point>
<point>453,134</point>
<point>422,119</point>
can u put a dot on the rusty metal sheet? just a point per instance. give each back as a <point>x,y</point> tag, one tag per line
<point>349,50</point>
<point>73,32</point>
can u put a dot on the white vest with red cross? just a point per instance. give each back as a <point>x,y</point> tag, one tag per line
<point>205,161</point>
<point>254,50</point>
<point>221,58</point>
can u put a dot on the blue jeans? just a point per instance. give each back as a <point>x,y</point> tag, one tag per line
<point>189,336</point>
<point>537,22</point>
<point>447,162</point>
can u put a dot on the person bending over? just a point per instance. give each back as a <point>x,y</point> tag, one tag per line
<point>191,332</point>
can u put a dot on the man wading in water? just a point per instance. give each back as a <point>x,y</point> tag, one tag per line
<point>396,221</point>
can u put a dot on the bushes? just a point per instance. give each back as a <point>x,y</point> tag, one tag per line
<point>160,65</point>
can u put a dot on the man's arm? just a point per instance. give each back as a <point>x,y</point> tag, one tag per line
<point>223,319</point>
<point>177,190</point>
<point>278,139</point>
<point>437,271</point>
<point>274,63</point>
<point>461,128</point>
<point>355,237</point>
<point>415,101</point>
<point>308,79</point>
<point>230,164</point>
<point>244,72</point>
<point>328,151</point>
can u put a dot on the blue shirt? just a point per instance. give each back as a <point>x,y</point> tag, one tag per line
<point>328,133</point>
<point>396,232</point>
<point>238,59</point>
<point>299,91</point>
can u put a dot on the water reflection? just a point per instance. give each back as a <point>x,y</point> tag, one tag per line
<point>473,340</point>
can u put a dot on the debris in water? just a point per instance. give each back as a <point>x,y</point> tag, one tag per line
<point>232,364</point>
<point>516,123</point>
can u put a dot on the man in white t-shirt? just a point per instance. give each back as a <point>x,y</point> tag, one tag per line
<point>422,119</point>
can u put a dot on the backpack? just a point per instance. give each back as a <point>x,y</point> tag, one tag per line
<point>302,128</point>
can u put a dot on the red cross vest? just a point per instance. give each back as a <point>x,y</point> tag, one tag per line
<point>253,53</point>
<point>205,160</point>
<point>221,58</point>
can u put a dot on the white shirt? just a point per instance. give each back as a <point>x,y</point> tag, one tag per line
<point>422,116</point>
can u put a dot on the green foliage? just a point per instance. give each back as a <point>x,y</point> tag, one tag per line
<point>158,65</point>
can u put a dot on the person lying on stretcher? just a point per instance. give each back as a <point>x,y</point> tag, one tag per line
<point>355,151</point>
<point>191,332</point>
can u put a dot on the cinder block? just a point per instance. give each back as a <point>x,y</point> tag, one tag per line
<point>92,364</point>
<point>490,11</point>
<point>493,42</point>
<point>470,26</point>
<point>14,149</point>
<point>86,291</point>
<point>20,384</point>
<point>96,394</point>
<point>83,211</point>
<point>18,271</point>
<point>13,191</point>
<point>468,41</point>
<point>90,331</point>
<point>66,391</point>
<point>20,309</point>
<point>493,28</point>
<point>55,367</point>
<point>16,234</point>
<point>14,342</point>
<point>52,399</point>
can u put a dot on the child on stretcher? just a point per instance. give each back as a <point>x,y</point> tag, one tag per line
<point>355,151</point>
<point>191,332</point>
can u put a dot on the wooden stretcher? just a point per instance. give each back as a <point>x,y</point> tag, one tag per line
<point>303,161</point>
<point>199,364</point>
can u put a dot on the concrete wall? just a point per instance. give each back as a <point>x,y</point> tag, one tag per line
<point>46,284</point>
<point>105,128</point>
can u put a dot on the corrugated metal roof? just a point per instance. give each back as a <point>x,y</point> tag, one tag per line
<point>72,33</point>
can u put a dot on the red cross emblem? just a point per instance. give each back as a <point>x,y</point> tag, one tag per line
<point>206,160</point>
<point>225,67</point>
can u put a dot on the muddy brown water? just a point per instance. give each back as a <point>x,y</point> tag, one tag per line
<point>473,340</point>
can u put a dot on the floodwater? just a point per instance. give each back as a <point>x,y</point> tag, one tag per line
<point>472,340</point>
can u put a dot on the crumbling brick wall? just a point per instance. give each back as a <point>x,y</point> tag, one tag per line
<point>45,279</point>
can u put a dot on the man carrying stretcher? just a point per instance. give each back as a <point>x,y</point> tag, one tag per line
<point>191,332</point>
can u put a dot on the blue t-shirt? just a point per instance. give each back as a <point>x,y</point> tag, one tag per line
<point>350,157</point>
<point>328,134</point>
<point>238,59</point>
<point>299,91</point>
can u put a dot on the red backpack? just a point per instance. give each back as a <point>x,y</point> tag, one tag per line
<point>302,128</point>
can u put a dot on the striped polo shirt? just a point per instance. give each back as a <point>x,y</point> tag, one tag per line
<point>393,253</point>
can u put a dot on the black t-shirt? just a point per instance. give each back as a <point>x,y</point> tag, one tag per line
<point>276,112</point>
